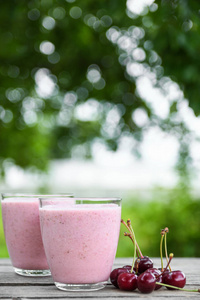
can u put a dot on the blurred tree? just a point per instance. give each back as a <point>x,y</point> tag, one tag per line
<point>69,73</point>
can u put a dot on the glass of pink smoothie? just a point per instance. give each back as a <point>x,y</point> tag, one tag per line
<point>20,213</point>
<point>80,240</point>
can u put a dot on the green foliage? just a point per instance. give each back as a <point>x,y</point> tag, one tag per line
<point>3,248</point>
<point>175,209</point>
<point>79,47</point>
<point>89,38</point>
<point>174,33</point>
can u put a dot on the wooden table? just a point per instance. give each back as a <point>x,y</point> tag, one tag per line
<point>14,286</point>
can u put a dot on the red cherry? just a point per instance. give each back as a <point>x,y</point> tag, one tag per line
<point>128,267</point>
<point>158,276</point>
<point>146,282</point>
<point>164,274</point>
<point>127,281</point>
<point>175,278</point>
<point>143,263</point>
<point>114,275</point>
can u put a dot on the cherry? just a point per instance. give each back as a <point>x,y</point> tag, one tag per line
<point>128,267</point>
<point>127,281</point>
<point>175,278</point>
<point>114,275</point>
<point>157,274</point>
<point>143,263</point>
<point>164,274</point>
<point>146,282</point>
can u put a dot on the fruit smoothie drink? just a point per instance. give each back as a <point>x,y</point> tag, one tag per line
<point>23,236</point>
<point>80,242</point>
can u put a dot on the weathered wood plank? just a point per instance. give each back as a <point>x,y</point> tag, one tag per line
<point>149,297</point>
<point>48,292</point>
<point>14,279</point>
<point>6,269</point>
<point>5,261</point>
<point>23,288</point>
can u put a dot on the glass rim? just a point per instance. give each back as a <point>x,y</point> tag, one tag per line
<point>47,201</point>
<point>31,195</point>
<point>86,198</point>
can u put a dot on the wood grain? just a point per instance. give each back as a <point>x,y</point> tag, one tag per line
<point>16,287</point>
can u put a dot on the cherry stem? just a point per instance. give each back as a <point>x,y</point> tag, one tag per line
<point>134,256</point>
<point>129,229</point>
<point>167,258</point>
<point>130,236</point>
<point>161,246</point>
<point>170,258</point>
<point>177,288</point>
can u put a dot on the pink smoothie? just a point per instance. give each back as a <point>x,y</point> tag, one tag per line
<point>22,233</point>
<point>80,241</point>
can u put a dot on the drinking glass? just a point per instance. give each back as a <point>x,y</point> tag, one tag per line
<point>20,213</point>
<point>80,240</point>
